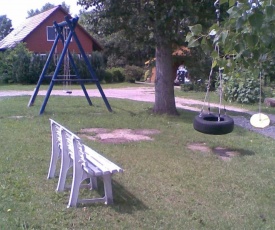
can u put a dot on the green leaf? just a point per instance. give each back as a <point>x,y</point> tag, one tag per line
<point>251,40</point>
<point>214,54</point>
<point>270,13</point>
<point>214,63</point>
<point>231,3</point>
<point>188,37</point>
<point>193,42</point>
<point>223,1</point>
<point>239,48</point>
<point>234,12</point>
<point>224,35</point>
<point>256,20</point>
<point>239,23</point>
<point>196,29</point>
<point>206,45</point>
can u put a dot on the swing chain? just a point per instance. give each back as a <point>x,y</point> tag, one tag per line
<point>220,89</point>
<point>218,11</point>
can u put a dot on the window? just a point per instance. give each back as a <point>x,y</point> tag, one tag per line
<point>66,32</point>
<point>50,33</point>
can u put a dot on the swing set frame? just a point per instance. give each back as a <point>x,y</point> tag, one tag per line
<point>71,24</point>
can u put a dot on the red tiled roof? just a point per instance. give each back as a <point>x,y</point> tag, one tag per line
<point>22,31</point>
<point>29,25</point>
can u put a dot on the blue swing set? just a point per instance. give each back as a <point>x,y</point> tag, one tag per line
<point>71,24</point>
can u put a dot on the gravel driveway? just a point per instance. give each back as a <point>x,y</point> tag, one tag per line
<point>147,94</point>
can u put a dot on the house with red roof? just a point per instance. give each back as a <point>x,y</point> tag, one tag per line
<point>38,33</point>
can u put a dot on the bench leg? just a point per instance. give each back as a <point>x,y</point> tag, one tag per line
<point>107,180</point>
<point>76,183</point>
<point>93,182</point>
<point>65,165</point>
<point>53,162</point>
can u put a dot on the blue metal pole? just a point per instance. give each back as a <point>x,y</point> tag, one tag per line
<point>57,67</point>
<point>33,97</point>
<point>93,74</point>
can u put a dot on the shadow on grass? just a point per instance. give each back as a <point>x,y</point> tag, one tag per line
<point>244,152</point>
<point>124,201</point>
<point>227,153</point>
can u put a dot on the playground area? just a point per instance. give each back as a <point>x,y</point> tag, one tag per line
<point>179,178</point>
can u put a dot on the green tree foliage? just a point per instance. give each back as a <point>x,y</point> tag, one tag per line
<point>119,49</point>
<point>159,24</point>
<point>5,26</point>
<point>46,7</point>
<point>245,40</point>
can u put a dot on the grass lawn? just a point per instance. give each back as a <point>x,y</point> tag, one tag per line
<point>165,184</point>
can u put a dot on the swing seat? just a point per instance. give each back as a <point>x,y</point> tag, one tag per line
<point>210,124</point>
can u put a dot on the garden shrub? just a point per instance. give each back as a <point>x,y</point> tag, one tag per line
<point>186,87</point>
<point>249,92</point>
<point>107,76</point>
<point>230,89</point>
<point>244,91</point>
<point>20,58</point>
<point>36,66</point>
<point>133,73</point>
<point>117,74</point>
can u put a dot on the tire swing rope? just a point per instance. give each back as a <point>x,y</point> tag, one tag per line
<point>210,123</point>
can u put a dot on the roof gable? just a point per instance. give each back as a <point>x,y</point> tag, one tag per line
<point>22,31</point>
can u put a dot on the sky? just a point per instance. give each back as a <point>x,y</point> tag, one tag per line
<point>17,10</point>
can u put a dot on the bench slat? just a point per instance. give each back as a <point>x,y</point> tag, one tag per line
<point>100,161</point>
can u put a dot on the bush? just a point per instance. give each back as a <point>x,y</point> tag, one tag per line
<point>186,87</point>
<point>249,92</point>
<point>231,88</point>
<point>245,91</point>
<point>19,65</point>
<point>21,58</point>
<point>107,76</point>
<point>133,73</point>
<point>117,74</point>
<point>36,66</point>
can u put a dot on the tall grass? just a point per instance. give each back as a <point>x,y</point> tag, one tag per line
<point>165,185</point>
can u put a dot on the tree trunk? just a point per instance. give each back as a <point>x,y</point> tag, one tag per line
<point>164,84</point>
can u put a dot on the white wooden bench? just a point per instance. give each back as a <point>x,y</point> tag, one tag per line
<point>86,163</point>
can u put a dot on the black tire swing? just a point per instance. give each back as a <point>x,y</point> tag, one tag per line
<point>211,123</point>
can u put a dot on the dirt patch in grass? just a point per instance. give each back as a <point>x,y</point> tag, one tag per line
<point>118,135</point>
<point>224,154</point>
<point>201,147</point>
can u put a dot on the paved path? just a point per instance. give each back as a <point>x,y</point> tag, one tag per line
<point>147,94</point>
<point>138,94</point>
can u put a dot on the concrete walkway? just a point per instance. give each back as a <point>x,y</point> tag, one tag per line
<point>131,93</point>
